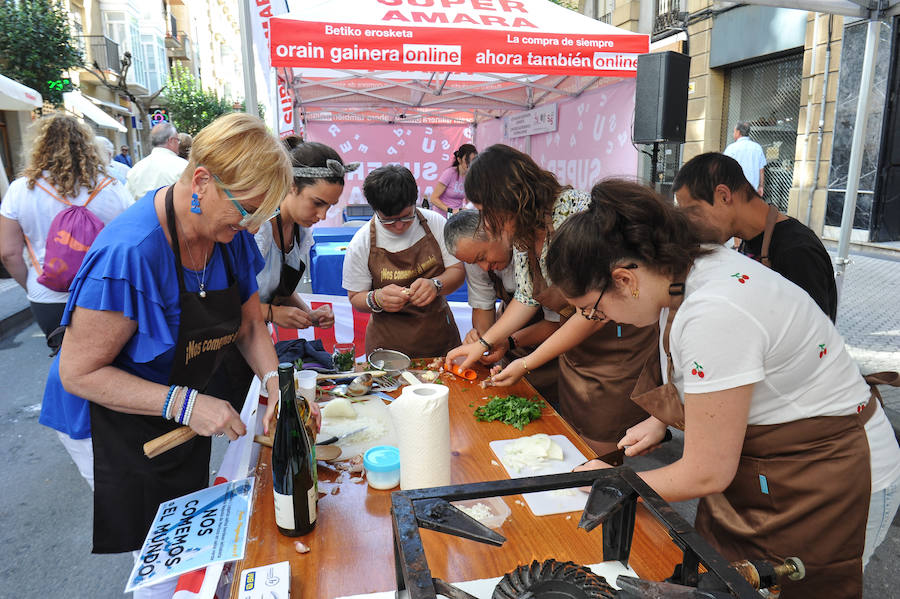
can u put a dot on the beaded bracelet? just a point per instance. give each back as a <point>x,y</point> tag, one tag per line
<point>372,302</point>
<point>170,409</point>
<point>173,406</point>
<point>269,375</point>
<point>184,405</point>
<point>166,405</point>
<point>191,398</point>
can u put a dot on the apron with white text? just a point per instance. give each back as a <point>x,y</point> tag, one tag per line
<point>419,332</point>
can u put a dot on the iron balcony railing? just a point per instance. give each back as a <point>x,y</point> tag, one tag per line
<point>103,51</point>
<point>668,15</point>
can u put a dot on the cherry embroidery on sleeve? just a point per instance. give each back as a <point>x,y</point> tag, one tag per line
<point>742,278</point>
<point>823,351</point>
<point>697,370</point>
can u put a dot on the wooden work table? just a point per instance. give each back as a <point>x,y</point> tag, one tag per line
<point>351,548</point>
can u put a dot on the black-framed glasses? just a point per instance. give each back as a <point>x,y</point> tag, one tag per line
<point>596,313</point>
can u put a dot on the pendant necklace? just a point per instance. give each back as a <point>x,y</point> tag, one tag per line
<point>201,278</point>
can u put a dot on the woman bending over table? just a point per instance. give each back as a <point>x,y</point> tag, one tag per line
<point>785,444</point>
<point>163,291</point>
<point>318,180</point>
<point>598,362</point>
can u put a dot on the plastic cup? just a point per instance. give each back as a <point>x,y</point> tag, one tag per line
<point>306,384</point>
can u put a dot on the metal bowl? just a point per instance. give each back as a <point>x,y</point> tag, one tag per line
<point>389,360</point>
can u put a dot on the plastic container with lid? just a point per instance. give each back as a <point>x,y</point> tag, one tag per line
<point>382,464</point>
<point>490,511</point>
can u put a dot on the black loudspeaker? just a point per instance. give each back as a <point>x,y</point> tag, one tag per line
<point>660,103</point>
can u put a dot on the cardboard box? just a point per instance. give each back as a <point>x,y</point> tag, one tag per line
<point>266,582</point>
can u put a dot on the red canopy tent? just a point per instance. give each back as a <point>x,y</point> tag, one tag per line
<point>444,61</point>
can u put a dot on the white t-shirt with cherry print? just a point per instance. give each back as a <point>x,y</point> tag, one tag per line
<point>743,323</point>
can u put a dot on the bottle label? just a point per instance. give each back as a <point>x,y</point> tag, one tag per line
<point>284,511</point>
<point>313,496</point>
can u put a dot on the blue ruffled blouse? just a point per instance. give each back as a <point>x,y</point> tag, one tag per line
<point>130,268</point>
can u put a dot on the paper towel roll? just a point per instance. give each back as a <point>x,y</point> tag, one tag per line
<point>421,417</point>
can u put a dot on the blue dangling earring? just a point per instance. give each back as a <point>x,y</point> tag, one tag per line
<point>195,204</point>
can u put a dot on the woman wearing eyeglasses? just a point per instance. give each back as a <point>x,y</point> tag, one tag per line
<point>599,362</point>
<point>165,289</point>
<point>785,444</point>
<point>283,241</point>
<point>398,269</point>
<point>450,192</point>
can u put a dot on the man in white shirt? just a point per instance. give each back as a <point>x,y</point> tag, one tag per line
<point>162,167</point>
<point>490,276</point>
<point>749,155</point>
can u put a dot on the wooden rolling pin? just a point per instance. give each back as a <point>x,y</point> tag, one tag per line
<point>173,439</point>
<point>170,440</point>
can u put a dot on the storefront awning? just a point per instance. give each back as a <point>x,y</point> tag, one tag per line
<point>78,104</point>
<point>15,96</point>
<point>111,105</point>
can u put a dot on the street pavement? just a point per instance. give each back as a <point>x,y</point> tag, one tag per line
<point>45,506</point>
<point>869,319</point>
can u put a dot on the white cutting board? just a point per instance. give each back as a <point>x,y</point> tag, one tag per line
<point>370,411</point>
<point>544,503</point>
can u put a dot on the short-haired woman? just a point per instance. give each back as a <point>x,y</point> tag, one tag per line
<point>450,191</point>
<point>164,290</point>
<point>318,180</point>
<point>785,444</point>
<point>398,269</point>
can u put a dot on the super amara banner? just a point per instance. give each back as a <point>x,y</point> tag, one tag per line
<point>193,531</point>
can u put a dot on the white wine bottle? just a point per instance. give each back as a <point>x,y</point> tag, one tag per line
<point>293,474</point>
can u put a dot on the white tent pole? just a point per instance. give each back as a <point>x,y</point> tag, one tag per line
<point>856,149</point>
<point>250,103</point>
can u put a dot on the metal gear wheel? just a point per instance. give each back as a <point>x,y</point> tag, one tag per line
<point>551,579</point>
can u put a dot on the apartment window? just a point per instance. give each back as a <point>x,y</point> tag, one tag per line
<point>78,32</point>
<point>115,27</point>
<point>602,10</point>
<point>138,72</point>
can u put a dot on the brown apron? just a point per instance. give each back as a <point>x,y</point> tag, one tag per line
<point>545,378</point>
<point>780,503</point>
<point>425,332</point>
<point>597,376</point>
